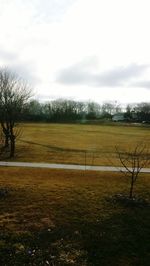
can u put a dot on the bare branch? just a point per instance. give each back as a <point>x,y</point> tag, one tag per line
<point>133,161</point>
<point>14,94</point>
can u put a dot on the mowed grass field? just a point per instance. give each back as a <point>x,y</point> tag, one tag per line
<point>66,217</point>
<point>77,144</point>
<point>62,217</point>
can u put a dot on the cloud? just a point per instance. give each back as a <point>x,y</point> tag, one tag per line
<point>35,11</point>
<point>82,74</point>
<point>119,76</point>
<point>7,56</point>
<point>142,84</point>
<point>79,73</point>
<point>25,70</point>
<point>73,76</point>
<point>50,10</point>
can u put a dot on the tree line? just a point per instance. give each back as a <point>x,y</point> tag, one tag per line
<point>64,110</point>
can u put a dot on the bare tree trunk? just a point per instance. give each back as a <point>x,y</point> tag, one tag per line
<point>6,141</point>
<point>12,146</point>
<point>131,188</point>
<point>12,141</point>
<point>5,128</point>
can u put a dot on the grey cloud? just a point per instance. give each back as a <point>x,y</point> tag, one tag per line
<point>24,70</point>
<point>73,75</point>
<point>81,74</point>
<point>142,84</point>
<point>7,56</point>
<point>119,76</point>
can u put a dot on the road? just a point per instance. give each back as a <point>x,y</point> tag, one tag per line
<point>68,166</point>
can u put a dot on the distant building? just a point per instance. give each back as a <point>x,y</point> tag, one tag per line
<point>134,115</point>
<point>118,117</point>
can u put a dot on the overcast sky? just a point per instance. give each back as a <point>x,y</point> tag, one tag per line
<point>80,49</point>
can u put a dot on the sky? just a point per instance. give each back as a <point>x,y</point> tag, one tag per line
<point>96,50</point>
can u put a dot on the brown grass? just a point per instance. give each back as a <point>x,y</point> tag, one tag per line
<point>41,198</point>
<point>79,144</point>
<point>64,217</point>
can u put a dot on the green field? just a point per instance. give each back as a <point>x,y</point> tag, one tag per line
<point>78,144</point>
<point>56,217</point>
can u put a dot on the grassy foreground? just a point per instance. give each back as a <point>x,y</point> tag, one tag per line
<point>78,144</point>
<point>57,217</point>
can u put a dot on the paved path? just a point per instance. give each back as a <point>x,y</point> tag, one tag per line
<point>68,166</point>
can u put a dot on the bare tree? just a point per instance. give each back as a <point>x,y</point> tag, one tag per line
<point>2,141</point>
<point>14,94</point>
<point>133,161</point>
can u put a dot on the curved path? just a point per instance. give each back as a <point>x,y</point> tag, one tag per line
<point>69,166</point>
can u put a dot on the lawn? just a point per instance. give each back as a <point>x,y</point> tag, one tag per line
<point>63,217</point>
<point>77,144</point>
